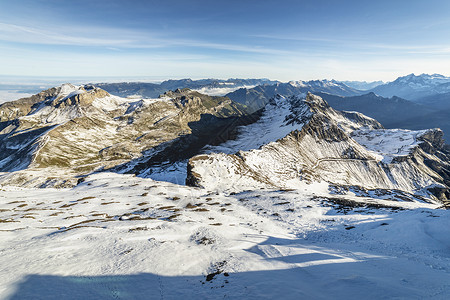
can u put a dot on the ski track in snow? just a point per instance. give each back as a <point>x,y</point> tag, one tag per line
<point>123,237</point>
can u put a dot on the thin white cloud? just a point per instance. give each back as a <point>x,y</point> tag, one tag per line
<point>233,47</point>
<point>117,40</point>
<point>413,49</point>
<point>222,91</point>
<point>296,38</point>
<point>23,34</point>
<point>361,46</point>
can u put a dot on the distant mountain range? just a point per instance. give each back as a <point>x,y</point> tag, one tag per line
<point>391,111</point>
<point>153,90</point>
<point>436,101</point>
<point>414,87</point>
<point>394,112</point>
<point>412,102</point>
<point>257,97</point>
<point>363,85</point>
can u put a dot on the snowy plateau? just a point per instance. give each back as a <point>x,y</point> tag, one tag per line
<point>297,201</point>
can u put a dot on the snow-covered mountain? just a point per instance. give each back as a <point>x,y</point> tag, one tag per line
<point>213,87</point>
<point>396,112</point>
<point>413,87</point>
<point>58,135</point>
<point>391,111</point>
<point>257,97</point>
<point>363,85</point>
<point>326,86</point>
<point>301,141</point>
<point>72,130</point>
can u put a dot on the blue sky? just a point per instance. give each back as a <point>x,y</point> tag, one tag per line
<point>285,40</point>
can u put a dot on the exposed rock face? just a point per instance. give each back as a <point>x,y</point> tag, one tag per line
<point>65,95</point>
<point>343,149</point>
<point>74,130</point>
<point>396,112</point>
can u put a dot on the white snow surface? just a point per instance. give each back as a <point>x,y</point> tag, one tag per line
<point>388,143</point>
<point>69,90</point>
<point>122,237</point>
<point>269,128</point>
<point>319,84</point>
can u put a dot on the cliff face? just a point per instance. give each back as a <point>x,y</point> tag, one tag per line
<point>341,149</point>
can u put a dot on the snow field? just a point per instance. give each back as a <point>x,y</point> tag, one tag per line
<point>122,237</point>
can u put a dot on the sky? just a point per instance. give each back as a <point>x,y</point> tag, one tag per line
<point>282,40</point>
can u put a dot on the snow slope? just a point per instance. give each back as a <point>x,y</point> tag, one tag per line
<point>389,143</point>
<point>270,127</point>
<point>122,237</point>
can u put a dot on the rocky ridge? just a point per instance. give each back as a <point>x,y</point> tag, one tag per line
<point>347,150</point>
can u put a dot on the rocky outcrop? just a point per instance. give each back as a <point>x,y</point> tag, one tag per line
<point>85,96</point>
<point>59,97</point>
<point>341,149</point>
<point>15,109</point>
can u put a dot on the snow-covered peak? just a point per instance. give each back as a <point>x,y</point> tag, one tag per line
<point>298,83</point>
<point>423,79</point>
<point>283,115</point>
<point>69,101</point>
<point>413,87</point>
<point>68,90</point>
<point>272,125</point>
<point>315,100</point>
<point>324,83</point>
